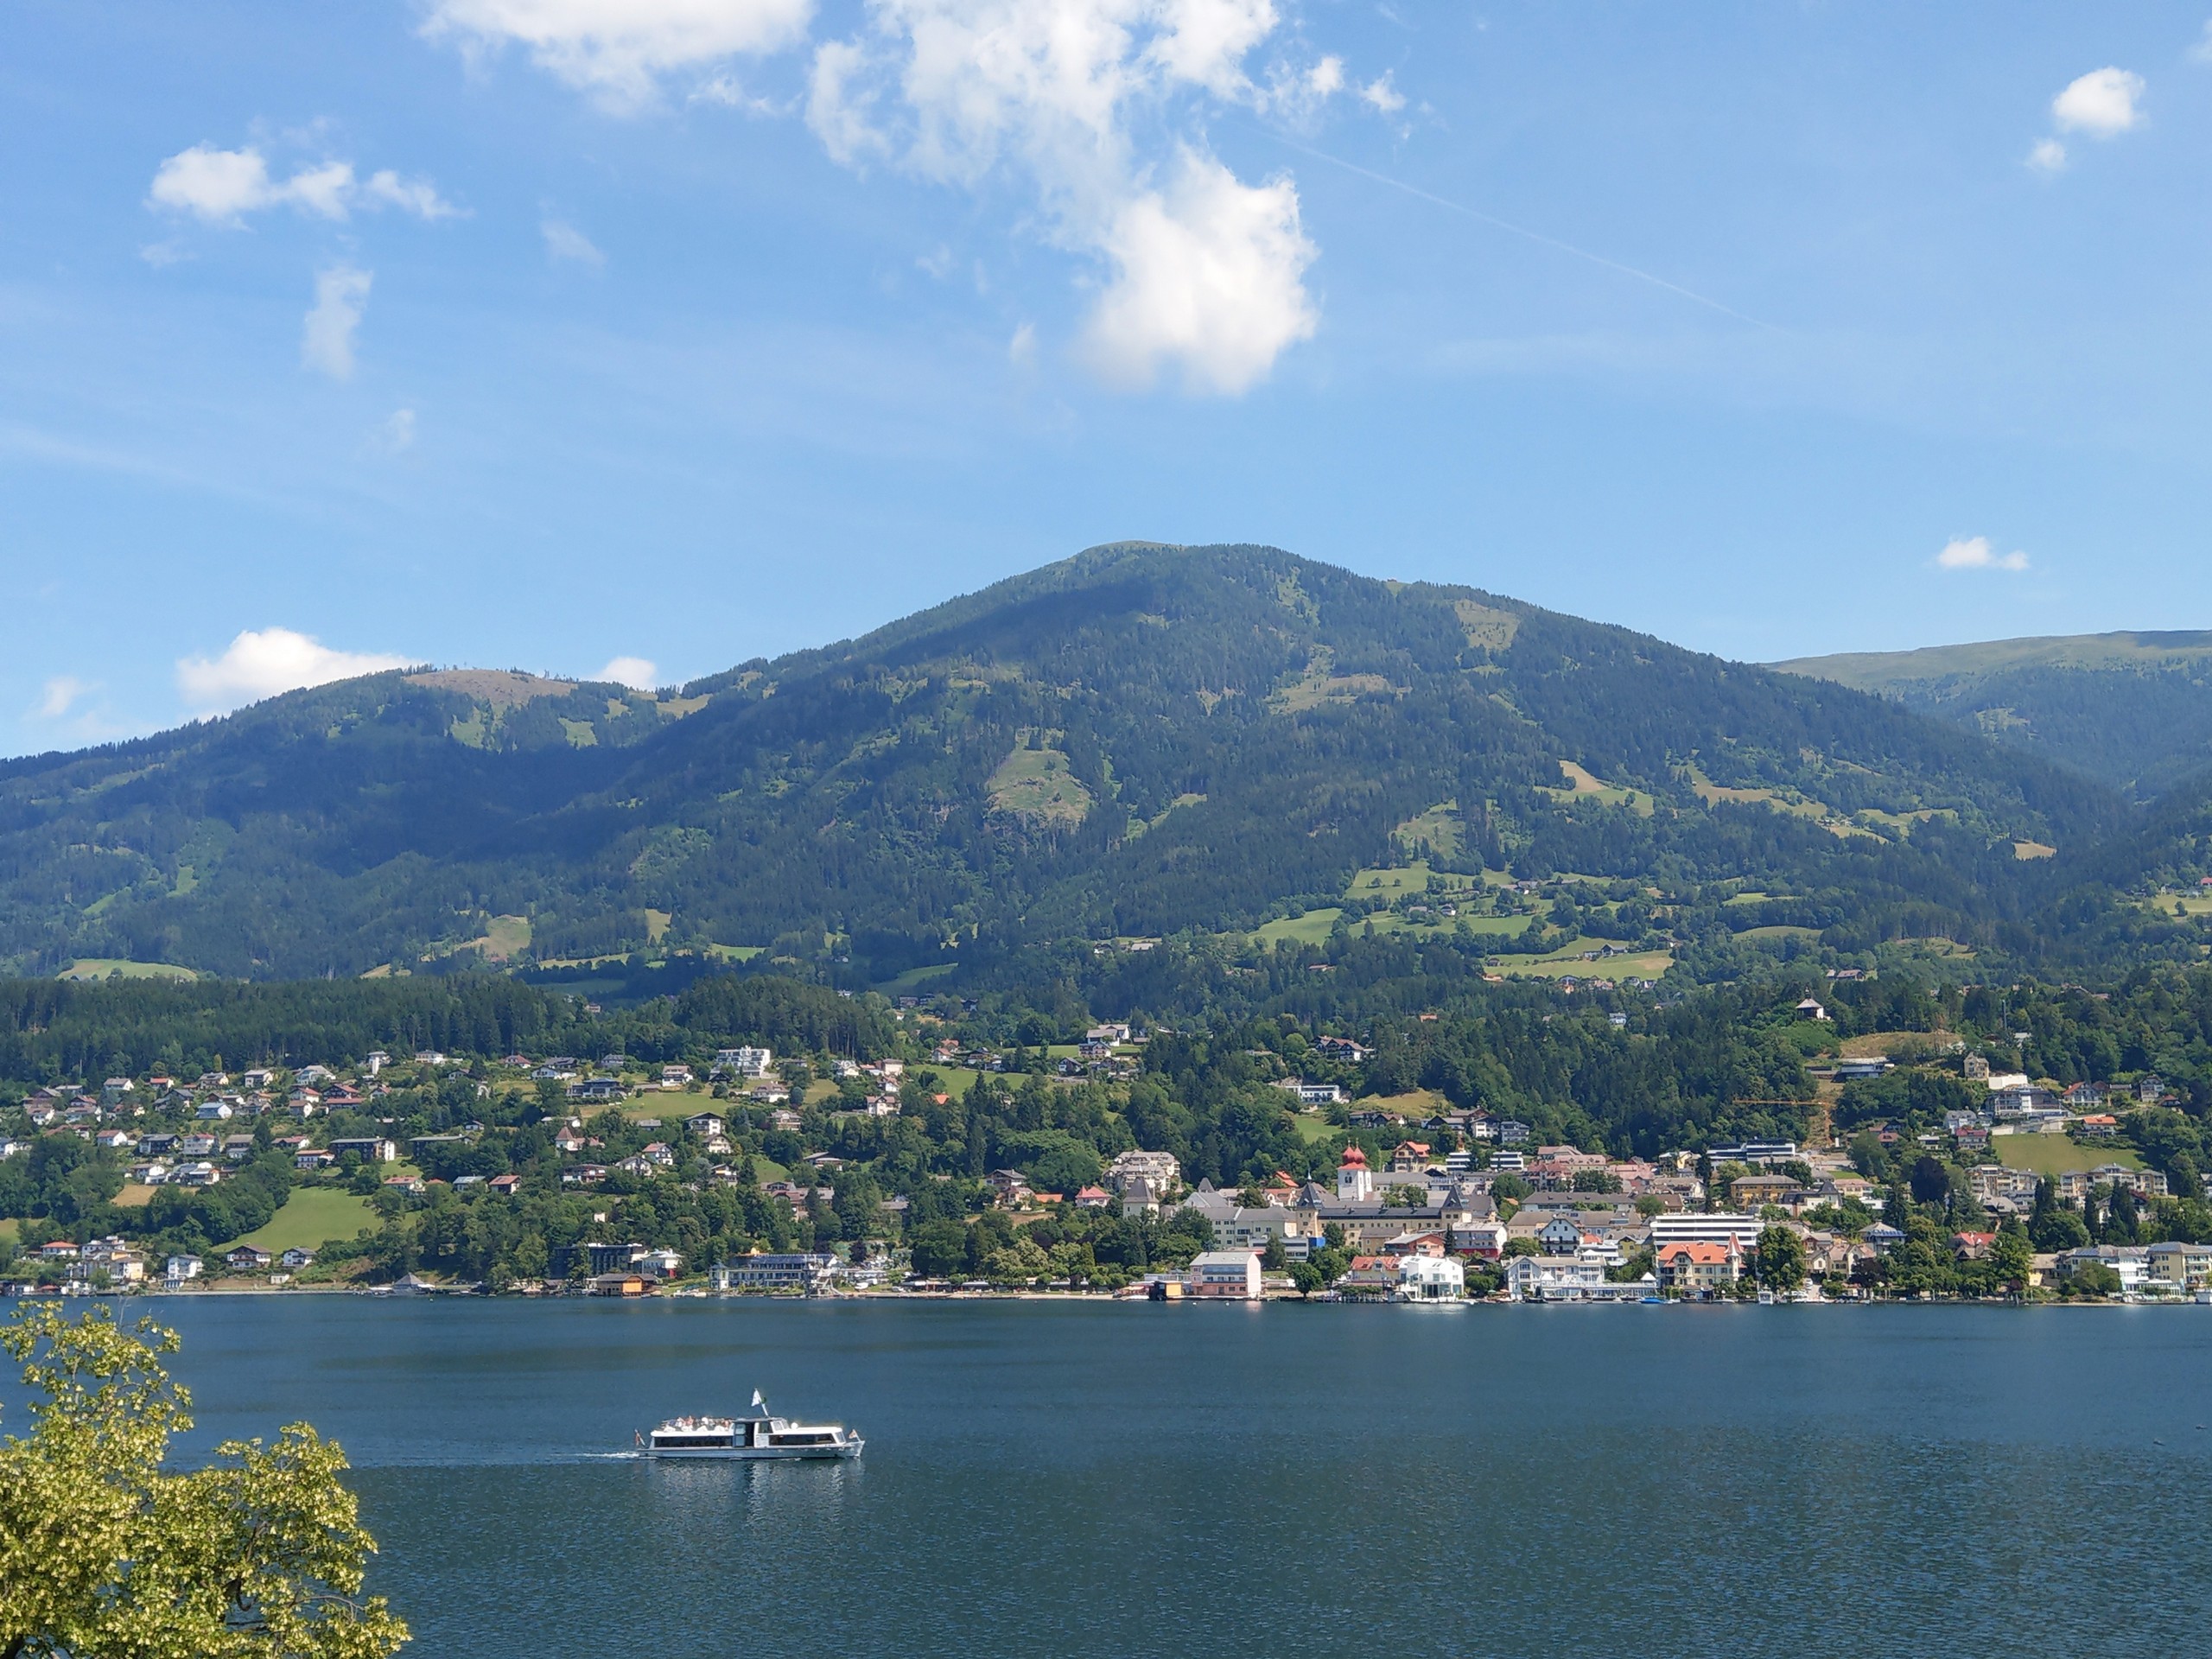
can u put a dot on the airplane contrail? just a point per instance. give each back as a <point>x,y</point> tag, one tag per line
<point>1508,225</point>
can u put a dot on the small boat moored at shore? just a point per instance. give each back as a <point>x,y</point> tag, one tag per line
<point>757,1436</point>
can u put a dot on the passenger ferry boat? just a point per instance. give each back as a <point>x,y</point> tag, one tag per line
<point>757,1436</point>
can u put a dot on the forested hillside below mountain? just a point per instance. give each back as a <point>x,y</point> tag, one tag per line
<point>1225,744</point>
<point>2133,710</point>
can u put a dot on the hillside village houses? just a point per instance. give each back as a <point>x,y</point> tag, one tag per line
<point>1411,1219</point>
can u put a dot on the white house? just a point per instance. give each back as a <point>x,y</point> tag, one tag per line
<point>1430,1279</point>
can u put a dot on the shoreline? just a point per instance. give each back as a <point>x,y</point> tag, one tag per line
<point>380,1293</point>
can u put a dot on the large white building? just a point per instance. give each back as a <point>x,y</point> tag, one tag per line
<point>1559,1279</point>
<point>1243,1227</point>
<point>1691,1227</point>
<point>1231,1275</point>
<point>745,1062</point>
<point>787,1272</point>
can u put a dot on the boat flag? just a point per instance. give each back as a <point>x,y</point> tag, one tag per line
<point>758,1402</point>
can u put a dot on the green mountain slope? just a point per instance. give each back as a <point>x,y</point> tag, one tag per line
<point>1136,741</point>
<point>2132,709</point>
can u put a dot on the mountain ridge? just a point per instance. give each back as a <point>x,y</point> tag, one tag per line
<point>2132,709</point>
<point>1140,740</point>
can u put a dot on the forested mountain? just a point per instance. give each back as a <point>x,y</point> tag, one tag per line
<point>2132,709</point>
<point>1137,742</point>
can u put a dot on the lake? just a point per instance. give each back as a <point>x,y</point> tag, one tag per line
<point>1247,1480</point>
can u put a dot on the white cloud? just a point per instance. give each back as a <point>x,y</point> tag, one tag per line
<point>341,294</point>
<point>221,187</point>
<point>416,196</point>
<point>2048,156</point>
<point>1022,349</point>
<point>1380,95</point>
<point>2201,52</point>
<point>397,434</point>
<point>619,50</point>
<point>260,664</point>
<point>217,185</point>
<point>2102,103</point>
<point>324,190</point>
<point>1207,270</point>
<point>1975,553</point>
<point>1209,276</point>
<point>637,672</point>
<point>565,241</point>
<point>61,694</point>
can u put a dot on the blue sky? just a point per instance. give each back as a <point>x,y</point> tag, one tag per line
<point>661,333</point>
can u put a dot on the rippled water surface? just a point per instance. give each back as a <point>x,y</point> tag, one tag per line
<point>1283,1481</point>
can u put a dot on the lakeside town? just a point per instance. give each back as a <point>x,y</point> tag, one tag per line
<point>614,1176</point>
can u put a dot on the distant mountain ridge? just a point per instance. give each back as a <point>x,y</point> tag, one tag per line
<point>2132,709</point>
<point>1140,741</point>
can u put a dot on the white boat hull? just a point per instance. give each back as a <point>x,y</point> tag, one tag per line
<point>841,1452</point>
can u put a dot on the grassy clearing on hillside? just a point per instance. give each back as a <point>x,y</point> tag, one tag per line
<point>10,1229</point>
<point>1638,964</point>
<point>911,983</point>
<point>505,937</point>
<point>2167,901</point>
<point>1312,1130</point>
<point>1415,1103</point>
<point>2054,1155</point>
<point>133,1195</point>
<point>1439,828</point>
<point>1893,1045</point>
<point>1390,883</point>
<point>954,1080</point>
<point>1039,786</point>
<point>313,1217</point>
<point>109,967</point>
<point>1780,931</point>
<point>1585,785</point>
<point>1312,928</point>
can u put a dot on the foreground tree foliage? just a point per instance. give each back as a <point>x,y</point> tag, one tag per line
<point>104,1553</point>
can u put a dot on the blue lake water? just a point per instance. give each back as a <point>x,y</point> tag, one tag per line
<point>1234,1481</point>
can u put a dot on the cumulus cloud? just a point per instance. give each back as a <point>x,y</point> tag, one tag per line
<point>1207,270</point>
<point>619,50</point>
<point>1975,553</point>
<point>1381,96</point>
<point>1208,275</point>
<point>2048,156</point>
<point>262,663</point>
<point>341,294</point>
<point>2102,103</point>
<point>638,673</point>
<point>565,242</point>
<point>222,186</point>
